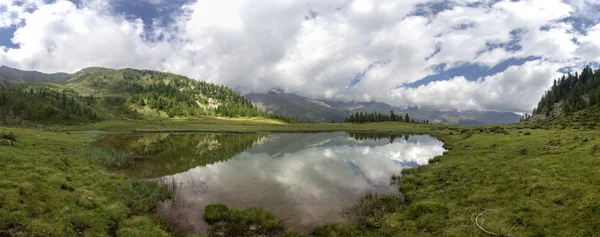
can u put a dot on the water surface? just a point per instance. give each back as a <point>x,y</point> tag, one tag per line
<point>305,179</point>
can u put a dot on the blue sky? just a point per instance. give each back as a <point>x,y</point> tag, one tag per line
<point>452,54</point>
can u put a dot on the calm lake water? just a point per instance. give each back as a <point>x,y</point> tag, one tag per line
<point>305,179</point>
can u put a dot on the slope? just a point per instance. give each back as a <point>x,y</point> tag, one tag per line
<point>105,94</point>
<point>293,105</point>
<point>569,95</point>
<point>15,76</point>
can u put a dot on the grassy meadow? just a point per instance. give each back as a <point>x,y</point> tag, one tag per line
<point>50,187</point>
<point>510,180</point>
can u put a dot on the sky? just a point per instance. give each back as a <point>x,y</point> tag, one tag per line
<point>496,55</point>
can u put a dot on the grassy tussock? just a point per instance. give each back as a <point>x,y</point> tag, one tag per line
<point>251,221</point>
<point>8,136</point>
<point>108,157</point>
<point>372,208</point>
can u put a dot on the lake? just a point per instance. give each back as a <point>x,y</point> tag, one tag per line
<point>306,179</point>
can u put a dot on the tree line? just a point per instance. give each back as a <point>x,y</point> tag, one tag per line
<point>19,105</point>
<point>570,93</point>
<point>360,117</point>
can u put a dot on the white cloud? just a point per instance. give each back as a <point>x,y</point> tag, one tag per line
<point>61,37</point>
<point>260,44</point>
<point>518,88</point>
<point>586,8</point>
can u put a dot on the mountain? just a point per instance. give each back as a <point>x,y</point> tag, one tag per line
<point>467,118</point>
<point>293,105</point>
<point>305,109</point>
<point>100,94</point>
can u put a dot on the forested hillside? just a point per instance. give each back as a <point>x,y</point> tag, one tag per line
<point>571,93</point>
<point>44,104</point>
<point>95,94</point>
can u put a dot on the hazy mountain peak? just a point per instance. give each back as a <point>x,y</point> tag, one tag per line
<point>277,100</point>
<point>277,90</point>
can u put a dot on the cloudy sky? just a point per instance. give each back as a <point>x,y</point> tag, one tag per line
<point>451,54</point>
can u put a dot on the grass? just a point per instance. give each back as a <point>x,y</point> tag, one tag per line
<point>372,208</point>
<point>517,181</point>
<point>513,179</point>
<point>108,157</point>
<point>46,190</point>
<point>247,125</point>
<point>251,221</point>
<point>8,136</point>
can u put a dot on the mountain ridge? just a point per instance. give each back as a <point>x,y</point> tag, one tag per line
<point>9,75</point>
<point>279,101</point>
<point>95,93</point>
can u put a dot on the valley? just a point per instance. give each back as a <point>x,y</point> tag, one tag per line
<point>299,118</point>
<point>131,153</point>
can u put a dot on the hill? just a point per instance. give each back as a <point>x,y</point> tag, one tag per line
<point>305,109</point>
<point>573,99</point>
<point>10,76</point>
<point>105,94</point>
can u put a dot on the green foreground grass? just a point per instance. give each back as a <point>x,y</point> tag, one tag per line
<point>514,180</point>
<point>48,188</point>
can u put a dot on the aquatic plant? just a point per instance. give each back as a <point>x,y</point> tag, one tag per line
<point>109,157</point>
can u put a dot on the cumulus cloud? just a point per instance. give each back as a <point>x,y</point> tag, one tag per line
<point>324,49</point>
<point>511,90</point>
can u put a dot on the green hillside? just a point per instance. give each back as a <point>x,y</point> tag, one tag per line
<point>10,76</point>
<point>94,94</point>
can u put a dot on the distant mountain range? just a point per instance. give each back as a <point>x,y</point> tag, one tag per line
<point>130,93</point>
<point>307,110</point>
